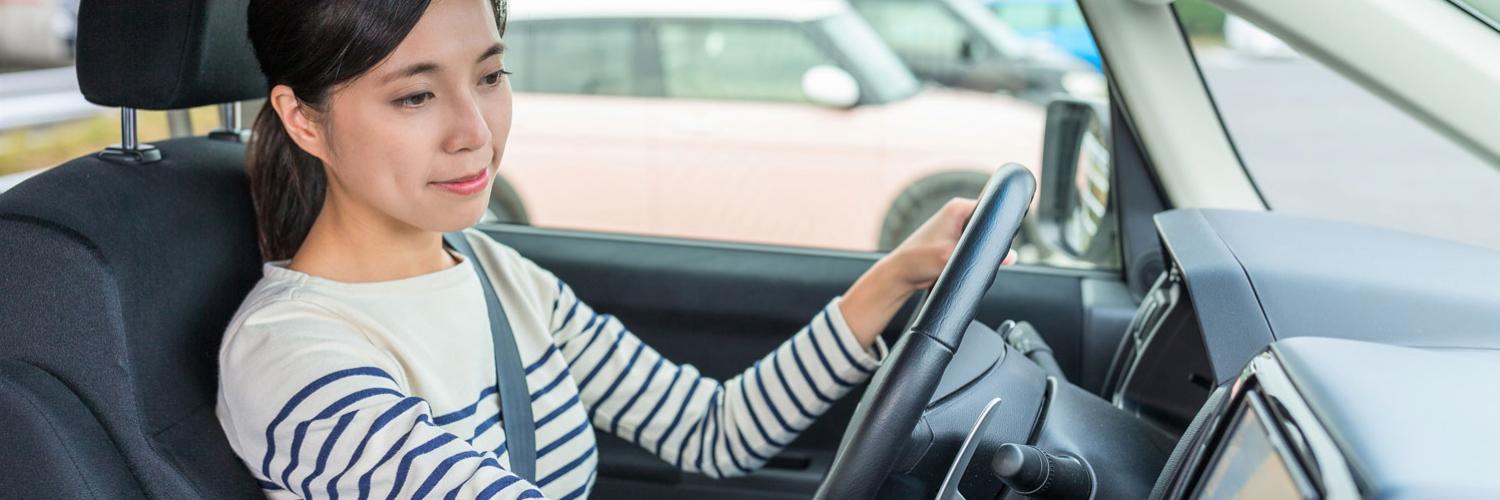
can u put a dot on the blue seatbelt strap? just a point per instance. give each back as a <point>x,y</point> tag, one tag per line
<point>510,375</point>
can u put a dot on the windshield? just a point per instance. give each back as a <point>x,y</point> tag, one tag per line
<point>887,77</point>
<point>1318,144</point>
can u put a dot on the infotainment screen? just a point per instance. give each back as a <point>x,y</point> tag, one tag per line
<point>1250,463</point>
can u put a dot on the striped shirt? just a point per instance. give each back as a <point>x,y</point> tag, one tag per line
<point>388,389</point>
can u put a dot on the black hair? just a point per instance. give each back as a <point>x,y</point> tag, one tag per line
<point>312,46</point>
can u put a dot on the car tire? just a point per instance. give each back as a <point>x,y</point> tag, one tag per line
<point>923,199</point>
<point>505,205</point>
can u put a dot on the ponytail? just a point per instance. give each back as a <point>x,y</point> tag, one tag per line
<point>286,185</point>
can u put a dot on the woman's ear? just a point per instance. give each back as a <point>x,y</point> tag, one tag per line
<point>296,119</point>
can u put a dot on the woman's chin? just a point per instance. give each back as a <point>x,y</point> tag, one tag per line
<point>458,219</point>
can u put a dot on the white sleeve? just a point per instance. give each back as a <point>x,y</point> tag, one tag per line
<point>697,423</point>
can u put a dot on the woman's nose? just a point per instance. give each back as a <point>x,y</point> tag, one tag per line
<point>467,129</point>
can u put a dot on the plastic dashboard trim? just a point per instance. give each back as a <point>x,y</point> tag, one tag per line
<point>1224,298</point>
<point>1333,478</point>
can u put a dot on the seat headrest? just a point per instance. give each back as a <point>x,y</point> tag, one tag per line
<point>166,54</point>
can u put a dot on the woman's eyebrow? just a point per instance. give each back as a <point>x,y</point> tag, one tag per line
<point>494,50</point>
<point>429,67</point>
<point>410,71</point>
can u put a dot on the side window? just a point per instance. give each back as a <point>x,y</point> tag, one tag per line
<point>919,30</point>
<point>573,57</point>
<point>762,61</point>
<point>729,137</point>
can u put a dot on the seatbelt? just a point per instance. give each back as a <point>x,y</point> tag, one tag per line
<point>515,397</point>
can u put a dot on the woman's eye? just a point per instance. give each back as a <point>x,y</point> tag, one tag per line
<point>493,79</point>
<point>415,100</point>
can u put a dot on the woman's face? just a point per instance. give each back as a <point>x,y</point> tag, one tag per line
<point>417,140</point>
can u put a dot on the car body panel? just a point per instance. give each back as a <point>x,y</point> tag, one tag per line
<point>750,171</point>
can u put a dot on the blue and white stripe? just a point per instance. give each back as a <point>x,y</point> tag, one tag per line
<point>360,432</point>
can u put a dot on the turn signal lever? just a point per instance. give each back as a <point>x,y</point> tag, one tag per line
<point>1024,337</point>
<point>1034,473</point>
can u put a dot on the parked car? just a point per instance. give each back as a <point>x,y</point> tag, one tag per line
<point>1058,22</point>
<point>958,43</point>
<point>693,111</point>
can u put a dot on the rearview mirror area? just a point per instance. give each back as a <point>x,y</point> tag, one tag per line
<point>1074,224</point>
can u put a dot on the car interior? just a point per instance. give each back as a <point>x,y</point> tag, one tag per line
<point>124,270</point>
<point>121,270</point>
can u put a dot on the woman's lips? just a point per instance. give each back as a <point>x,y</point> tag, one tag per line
<point>467,185</point>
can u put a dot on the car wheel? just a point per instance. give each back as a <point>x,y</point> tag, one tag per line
<point>923,199</point>
<point>505,205</point>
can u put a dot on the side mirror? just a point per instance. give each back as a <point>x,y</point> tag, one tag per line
<point>1073,220</point>
<point>830,86</point>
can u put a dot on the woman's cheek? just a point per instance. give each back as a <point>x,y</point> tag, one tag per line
<point>405,145</point>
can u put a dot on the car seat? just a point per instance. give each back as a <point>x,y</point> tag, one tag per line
<point>120,270</point>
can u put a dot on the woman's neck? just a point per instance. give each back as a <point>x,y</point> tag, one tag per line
<point>352,247</point>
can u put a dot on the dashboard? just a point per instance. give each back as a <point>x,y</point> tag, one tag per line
<point>1237,282</point>
<point>1244,349</point>
<point>1262,440</point>
<point>1276,357</point>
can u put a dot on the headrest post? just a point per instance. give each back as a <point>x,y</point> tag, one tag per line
<point>229,116</point>
<point>229,124</point>
<point>127,129</point>
<point>130,150</point>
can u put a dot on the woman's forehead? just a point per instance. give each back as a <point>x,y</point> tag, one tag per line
<point>451,32</point>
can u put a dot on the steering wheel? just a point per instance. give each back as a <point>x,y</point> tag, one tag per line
<point>901,388</point>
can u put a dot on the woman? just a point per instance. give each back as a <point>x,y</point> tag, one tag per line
<point>361,363</point>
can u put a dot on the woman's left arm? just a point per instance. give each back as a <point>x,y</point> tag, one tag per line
<point>733,427</point>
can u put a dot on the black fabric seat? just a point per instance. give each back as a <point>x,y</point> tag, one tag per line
<point>117,280</point>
